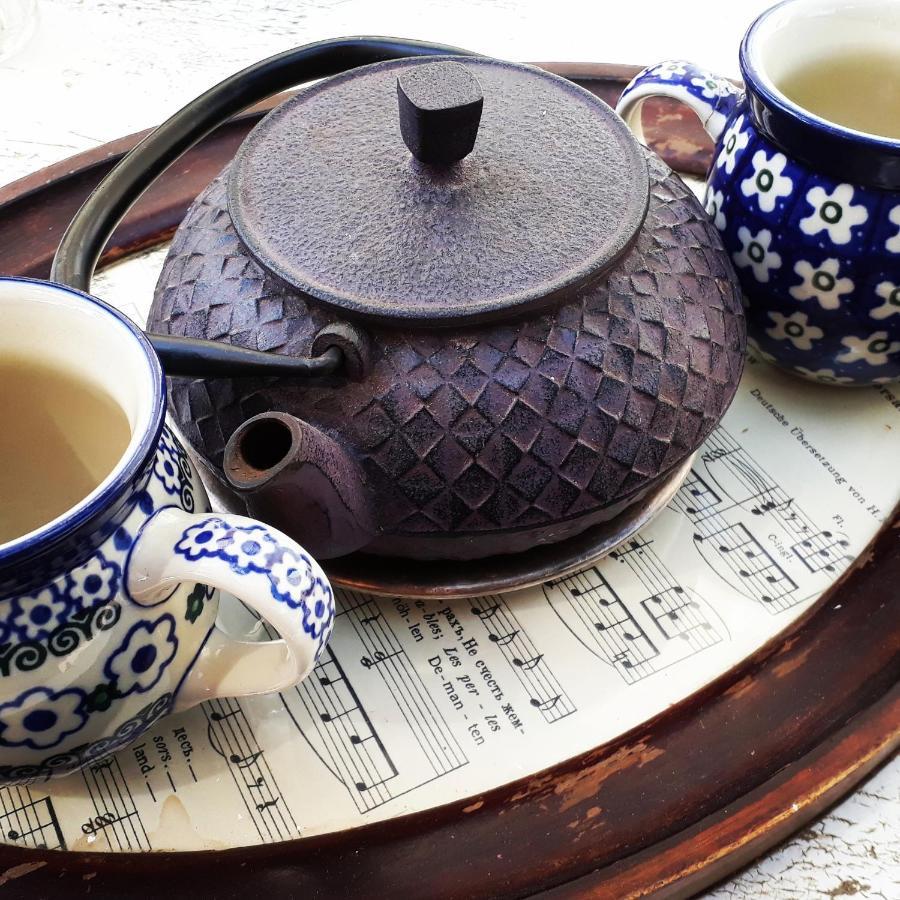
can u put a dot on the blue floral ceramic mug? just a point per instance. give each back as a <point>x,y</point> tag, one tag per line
<point>808,209</point>
<point>107,612</point>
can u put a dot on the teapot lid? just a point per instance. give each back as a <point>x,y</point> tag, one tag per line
<point>326,195</point>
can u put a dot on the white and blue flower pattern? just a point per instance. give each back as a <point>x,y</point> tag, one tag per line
<point>794,328</point>
<point>890,293</point>
<point>140,660</point>
<point>293,583</point>
<point>669,69</point>
<point>252,548</point>
<point>712,203</point>
<point>892,244</point>
<point>292,578</point>
<point>35,616</point>
<point>74,623</point>
<point>94,582</point>
<point>833,212</point>
<point>709,86</point>
<point>734,141</point>
<point>166,469</point>
<point>172,469</point>
<point>204,538</point>
<point>41,717</point>
<point>799,238</point>
<point>822,283</point>
<point>874,349</point>
<point>767,183</point>
<point>756,254</point>
<point>827,376</point>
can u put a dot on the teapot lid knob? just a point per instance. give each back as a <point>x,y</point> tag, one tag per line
<point>440,110</point>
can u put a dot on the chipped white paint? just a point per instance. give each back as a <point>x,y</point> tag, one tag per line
<point>97,69</point>
<point>854,852</point>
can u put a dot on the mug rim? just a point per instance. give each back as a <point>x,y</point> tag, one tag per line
<point>755,75</point>
<point>844,153</point>
<point>130,463</point>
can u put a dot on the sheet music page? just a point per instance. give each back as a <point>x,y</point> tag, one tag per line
<point>420,702</point>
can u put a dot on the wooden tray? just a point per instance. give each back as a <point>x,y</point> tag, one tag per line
<point>685,798</point>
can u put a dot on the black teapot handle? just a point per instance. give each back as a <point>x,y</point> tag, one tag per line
<point>93,224</point>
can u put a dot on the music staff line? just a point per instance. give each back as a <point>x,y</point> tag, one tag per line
<point>231,737</point>
<point>603,623</point>
<point>675,612</point>
<point>819,550</point>
<point>530,668</point>
<point>599,618</point>
<point>730,547</point>
<point>29,822</point>
<point>346,741</point>
<point>384,653</point>
<point>116,815</point>
<point>353,750</point>
<point>733,552</point>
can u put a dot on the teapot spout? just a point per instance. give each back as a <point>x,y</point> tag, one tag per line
<point>298,479</point>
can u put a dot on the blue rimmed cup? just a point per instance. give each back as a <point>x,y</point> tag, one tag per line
<point>107,613</point>
<point>809,209</point>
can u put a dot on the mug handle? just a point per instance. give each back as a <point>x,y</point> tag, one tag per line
<point>712,97</point>
<point>263,568</point>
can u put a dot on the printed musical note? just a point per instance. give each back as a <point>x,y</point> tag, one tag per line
<point>772,506</point>
<point>232,738</point>
<point>546,705</point>
<point>379,656</point>
<point>701,496</point>
<point>822,551</point>
<point>414,702</point>
<point>242,762</point>
<point>751,568</point>
<point>598,616</point>
<point>116,819</point>
<point>329,714</point>
<point>503,639</point>
<point>529,666</point>
<point>635,545</point>
<point>327,711</point>
<point>488,612</point>
<point>590,608</point>
<point>29,822</point>
<point>726,539</point>
<point>677,615</point>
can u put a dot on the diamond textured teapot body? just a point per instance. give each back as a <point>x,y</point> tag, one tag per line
<point>536,334</point>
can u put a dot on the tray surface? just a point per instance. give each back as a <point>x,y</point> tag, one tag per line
<point>578,821</point>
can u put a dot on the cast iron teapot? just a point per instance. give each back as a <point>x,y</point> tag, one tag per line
<point>510,321</point>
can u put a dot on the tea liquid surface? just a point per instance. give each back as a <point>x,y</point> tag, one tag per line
<point>59,438</point>
<point>856,90</point>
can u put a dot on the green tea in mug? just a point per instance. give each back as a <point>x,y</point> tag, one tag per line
<point>60,436</point>
<point>859,90</point>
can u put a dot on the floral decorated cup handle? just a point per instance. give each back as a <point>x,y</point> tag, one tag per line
<point>711,97</point>
<point>264,569</point>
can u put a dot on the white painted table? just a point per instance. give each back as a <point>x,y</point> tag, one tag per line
<point>97,69</point>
